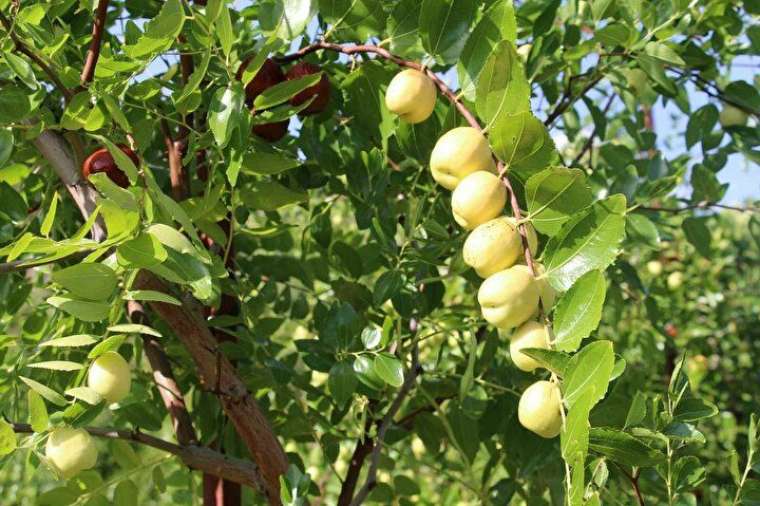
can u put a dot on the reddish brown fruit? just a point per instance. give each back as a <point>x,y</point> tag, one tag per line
<point>268,75</point>
<point>102,161</point>
<point>321,90</point>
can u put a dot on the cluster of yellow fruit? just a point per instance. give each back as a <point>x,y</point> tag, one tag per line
<point>69,450</point>
<point>509,297</point>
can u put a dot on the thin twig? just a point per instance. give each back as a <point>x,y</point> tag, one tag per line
<point>406,387</point>
<point>384,53</point>
<point>98,26</point>
<point>176,169</point>
<point>699,205</point>
<point>590,141</point>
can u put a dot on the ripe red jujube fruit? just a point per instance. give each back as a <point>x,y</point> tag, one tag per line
<point>101,161</point>
<point>321,90</point>
<point>268,75</point>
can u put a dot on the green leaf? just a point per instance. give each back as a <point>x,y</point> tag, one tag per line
<point>502,88</point>
<point>134,328</point>
<point>15,104</point>
<point>288,18</point>
<point>693,409</point>
<point>264,163</point>
<point>342,382</point>
<point>698,234</point>
<point>151,296</point>
<point>664,53</point>
<point>38,415</point>
<point>46,392</point>
<point>89,281</point>
<point>579,311</point>
<point>403,29</point>
<point>354,19</point>
<point>224,31</point>
<point>76,112</point>
<point>498,23</point>
<point>122,198</point>
<point>114,109</point>
<point>444,27</point>
<point>371,337</point>
<point>555,361</point>
<point>587,242</point>
<point>126,493</point>
<point>270,196</point>
<point>6,145</point>
<point>110,344</point>
<point>701,123</point>
<point>282,92</point>
<point>389,369</point>
<point>614,34</point>
<point>7,438</point>
<point>637,411</point>
<point>387,286</point>
<point>81,309</point>
<point>465,431</point>
<point>47,222</point>
<point>366,371</point>
<point>623,448</point>
<point>144,251</point>
<point>57,365</point>
<point>85,394</point>
<point>224,112</point>
<point>588,373</point>
<point>160,32</point>
<point>554,195</point>
<point>70,341</point>
<point>705,185</point>
<point>22,69</point>
<point>522,141</point>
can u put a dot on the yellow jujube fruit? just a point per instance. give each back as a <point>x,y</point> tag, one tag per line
<point>528,335</point>
<point>493,246</point>
<point>675,280</point>
<point>509,297</point>
<point>478,198</point>
<point>732,116</point>
<point>70,451</point>
<point>459,152</point>
<point>654,267</point>
<point>110,376</point>
<point>539,409</point>
<point>411,94</point>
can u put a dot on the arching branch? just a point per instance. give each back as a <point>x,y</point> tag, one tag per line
<point>98,27</point>
<point>196,457</point>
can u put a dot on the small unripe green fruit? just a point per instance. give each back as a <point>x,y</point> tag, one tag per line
<point>493,246</point>
<point>459,152</point>
<point>509,297</point>
<point>675,280</point>
<point>528,335</point>
<point>478,198</point>
<point>411,94</point>
<point>654,267</point>
<point>732,116</point>
<point>70,451</point>
<point>110,376</point>
<point>539,409</point>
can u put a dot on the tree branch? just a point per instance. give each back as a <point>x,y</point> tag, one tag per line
<point>22,48</point>
<point>164,379</point>
<point>176,169</point>
<point>384,53</point>
<point>185,321</point>
<point>216,374</point>
<point>699,205</point>
<point>195,457</point>
<point>91,60</point>
<point>406,387</point>
<point>361,452</point>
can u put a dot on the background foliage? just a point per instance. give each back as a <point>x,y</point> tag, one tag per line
<point>345,259</point>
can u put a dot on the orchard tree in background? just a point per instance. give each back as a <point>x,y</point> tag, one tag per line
<point>333,252</point>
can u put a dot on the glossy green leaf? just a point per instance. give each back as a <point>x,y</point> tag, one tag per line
<point>502,89</point>
<point>579,311</point>
<point>444,27</point>
<point>89,281</point>
<point>555,195</point>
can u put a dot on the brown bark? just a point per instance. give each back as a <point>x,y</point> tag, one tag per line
<point>91,60</point>
<point>216,374</point>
